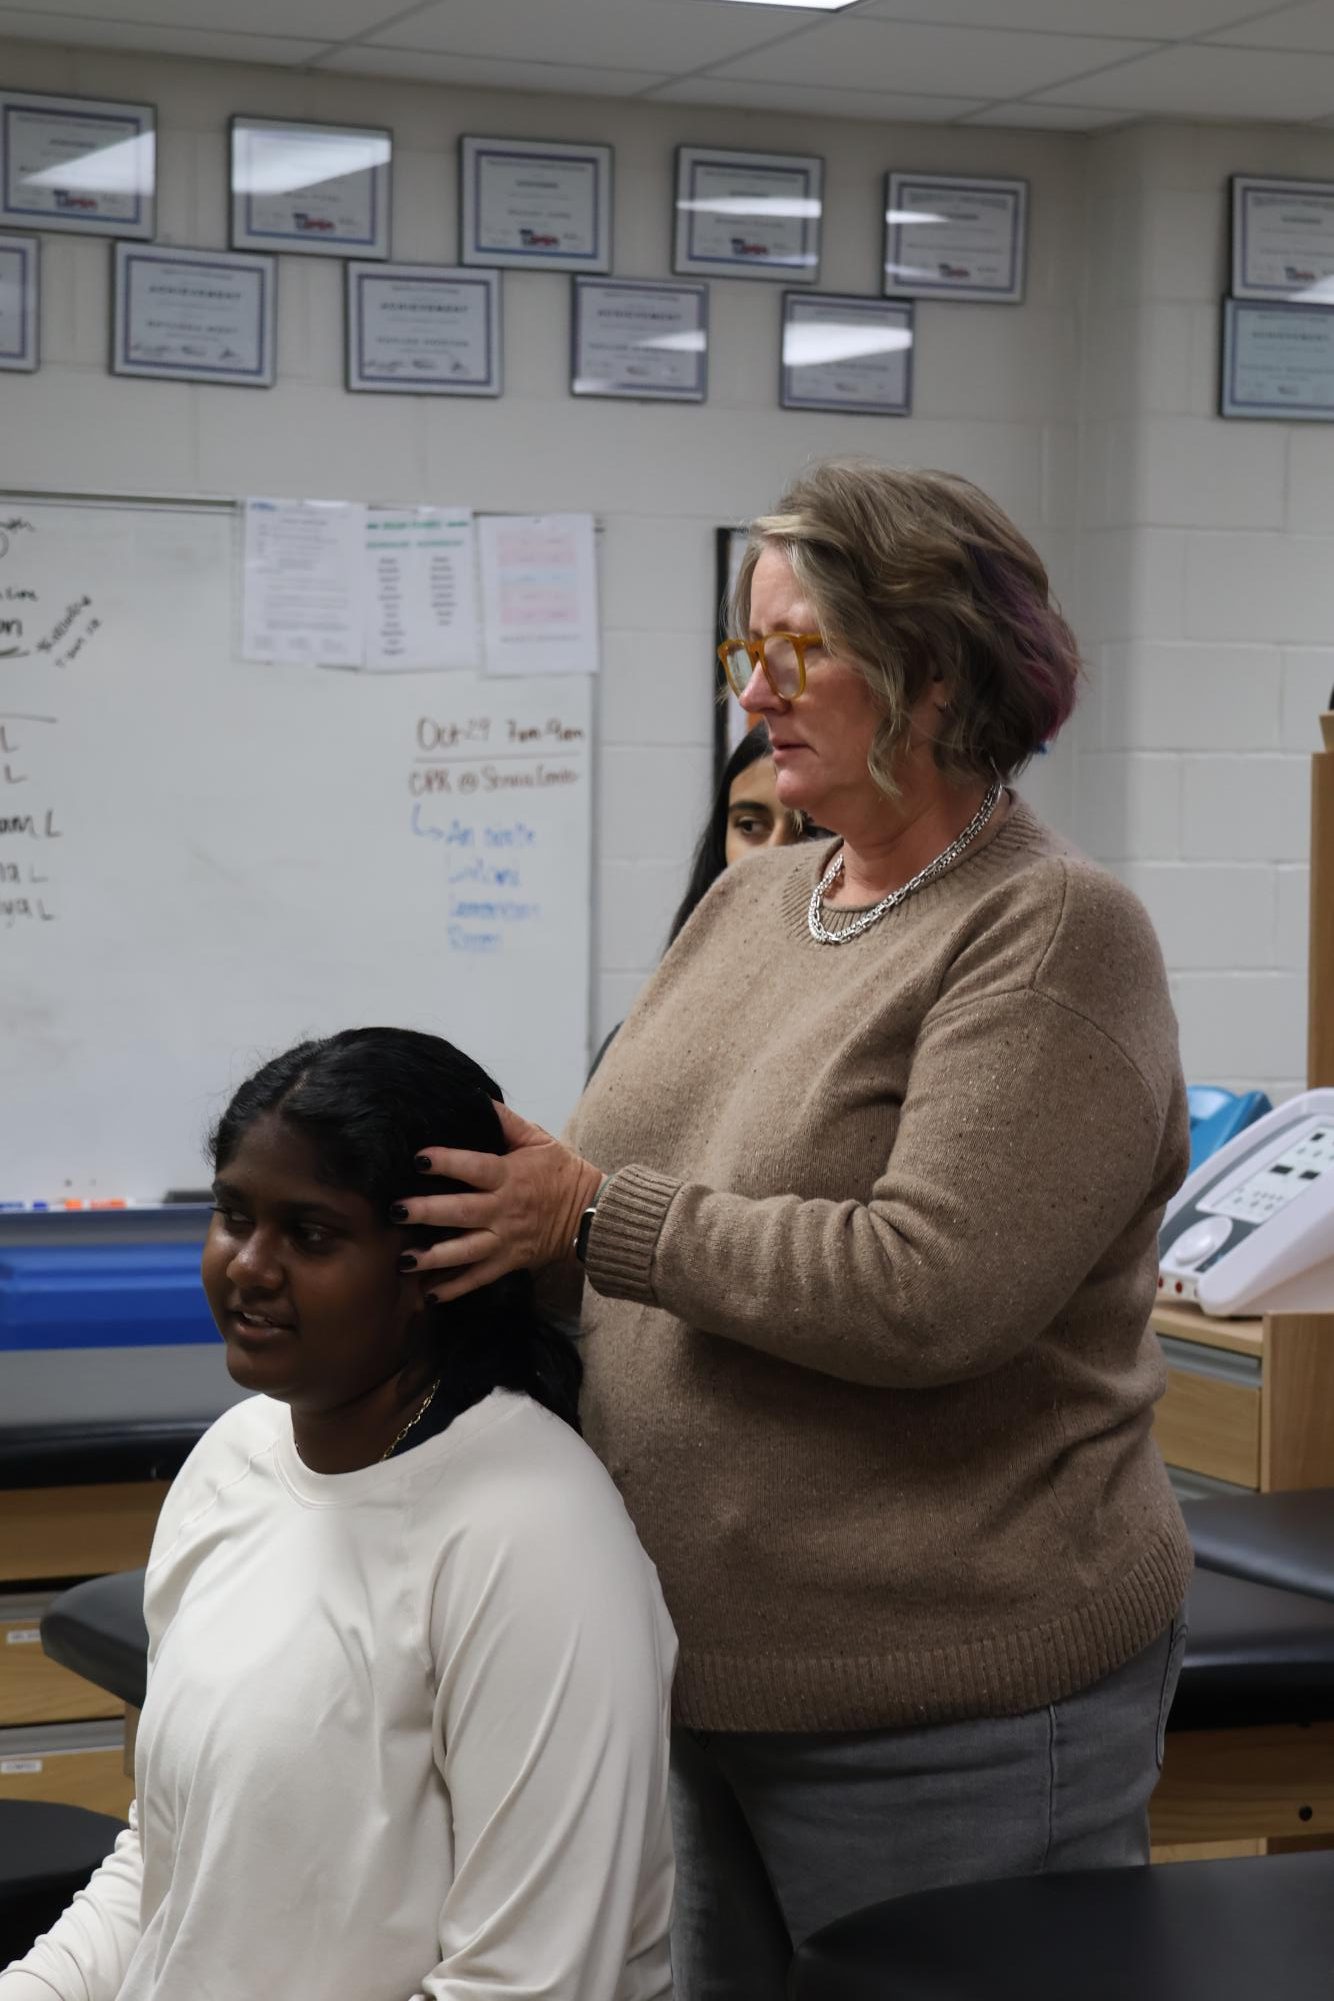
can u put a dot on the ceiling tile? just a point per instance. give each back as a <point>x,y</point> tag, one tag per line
<point>1210,82</point>
<point>627,34</point>
<point>81,32</point>
<point>491,73</point>
<point>320,21</point>
<point>1158,20</point>
<point>1030,117</point>
<point>1310,26</point>
<point>817,103</point>
<point>975,62</point>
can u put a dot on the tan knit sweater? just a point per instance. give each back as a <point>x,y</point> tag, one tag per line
<point>867,1316</point>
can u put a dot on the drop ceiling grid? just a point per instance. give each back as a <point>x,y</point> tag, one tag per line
<point>1079,63</point>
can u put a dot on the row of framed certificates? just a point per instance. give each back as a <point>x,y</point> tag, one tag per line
<point>1278,321</point>
<point>82,164</point>
<point>435,330</point>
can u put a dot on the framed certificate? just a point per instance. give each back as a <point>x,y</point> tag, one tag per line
<point>748,215</point>
<point>1278,361</point>
<point>947,237</point>
<point>195,315</point>
<point>423,329</point>
<point>1282,239</point>
<point>640,338</point>
<point>319,189</point>
<point>846,353</point>
<point>78,163</point>
<point>537,206</point>
<point>20,266</point>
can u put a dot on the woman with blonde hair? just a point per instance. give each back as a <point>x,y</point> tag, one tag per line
<point>865,1202</point>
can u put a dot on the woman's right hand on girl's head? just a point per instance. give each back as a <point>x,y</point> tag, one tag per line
<point>522,1211</point>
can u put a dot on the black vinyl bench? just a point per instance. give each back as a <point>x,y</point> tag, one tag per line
<point>1250,1750</point>
<point>1258,1930</point>
<point>1250,1738</point>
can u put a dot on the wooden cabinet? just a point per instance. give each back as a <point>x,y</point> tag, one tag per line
<point>75,1764</point>
<point>61,1738</point>
<point>1249,1403</point>
<point>34,1689</point>
<point>67,1533</point>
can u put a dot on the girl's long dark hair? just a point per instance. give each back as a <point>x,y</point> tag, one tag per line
<point>710,858</point>
<point>368,1101</point>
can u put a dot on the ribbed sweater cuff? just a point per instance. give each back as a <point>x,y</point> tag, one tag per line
<point>625,1232</point>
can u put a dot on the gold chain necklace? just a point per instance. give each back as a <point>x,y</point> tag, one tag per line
<point>416,1418</point>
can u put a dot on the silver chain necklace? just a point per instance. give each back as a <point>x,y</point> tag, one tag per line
<point>819,929</point>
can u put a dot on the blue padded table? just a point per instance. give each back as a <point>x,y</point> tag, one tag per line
<point>110,1370</point>
<point>103,1320</point>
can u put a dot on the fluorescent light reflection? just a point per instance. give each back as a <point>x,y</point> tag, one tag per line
<point>908,216</point>
<point>125,167</point>
<point>284,166</point>
<point>1318,294</point>
<point>676,343</point>
<point>811,6</point>
<point>810,346</point>
<point>756,205</point>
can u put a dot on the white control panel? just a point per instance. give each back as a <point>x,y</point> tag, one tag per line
<point>1252,1230</point>
<point>1261,1194</point>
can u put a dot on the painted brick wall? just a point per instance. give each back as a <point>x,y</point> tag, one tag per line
<point>1207,602</point>
<point>1193,556</point>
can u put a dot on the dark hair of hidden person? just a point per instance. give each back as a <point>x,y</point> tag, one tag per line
<point>710,856</point>
<point>366,1102</point>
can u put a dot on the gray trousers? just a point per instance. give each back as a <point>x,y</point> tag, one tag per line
<point>777,1835</point>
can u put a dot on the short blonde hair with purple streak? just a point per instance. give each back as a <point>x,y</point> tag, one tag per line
<point>917,576</point>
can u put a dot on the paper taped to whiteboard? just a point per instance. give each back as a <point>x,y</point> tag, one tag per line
<point>303,595</point>
<point>421,590</point>
<point>539,593</point>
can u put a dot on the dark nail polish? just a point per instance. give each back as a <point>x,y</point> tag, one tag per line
<point>422,1163</point>
<point>398,1213</point>
<point>407,1262</point>
<point>434,1298</point>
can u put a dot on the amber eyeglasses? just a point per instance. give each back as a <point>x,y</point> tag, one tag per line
<point>780,656</point>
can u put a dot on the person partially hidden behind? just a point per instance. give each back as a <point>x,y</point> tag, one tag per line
<point>406,1730</point>
<point>746,815</point>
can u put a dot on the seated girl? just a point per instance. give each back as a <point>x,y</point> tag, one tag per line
<point>409,1670</point>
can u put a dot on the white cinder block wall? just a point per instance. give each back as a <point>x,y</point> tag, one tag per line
<point>1208,602</point>
<point>1192,555</point>
<point>996,396</point>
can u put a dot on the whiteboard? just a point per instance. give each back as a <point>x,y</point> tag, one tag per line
<point>203,860</point>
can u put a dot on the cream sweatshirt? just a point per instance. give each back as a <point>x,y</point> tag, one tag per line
<point>405,1734</point>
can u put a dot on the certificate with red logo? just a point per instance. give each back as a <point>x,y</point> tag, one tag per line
<point>1282,239</point>
<point>319,189</point>
<point>748,215</point>
<point>535,204</point>
<point>77,163</point>
<point>951,237</point>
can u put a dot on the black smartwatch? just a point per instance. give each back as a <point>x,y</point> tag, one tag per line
<point>586,1223</point>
